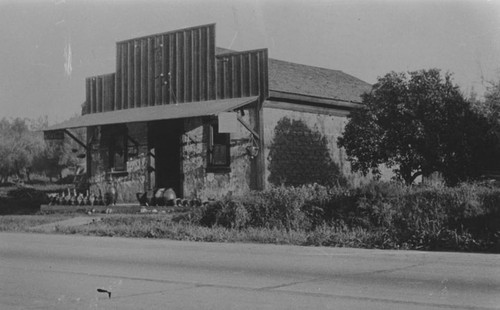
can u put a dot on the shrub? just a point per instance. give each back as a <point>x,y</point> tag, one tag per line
<point>22,200</point>
<point>376,215</point>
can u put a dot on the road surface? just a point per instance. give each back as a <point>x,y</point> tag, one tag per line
<point>40,271</point>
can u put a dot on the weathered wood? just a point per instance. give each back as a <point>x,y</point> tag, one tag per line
<point>151,72</point>
<point>319,101</point>
<point>241,74</point>
<point>72,136</point>
<point>130,77</point>
<point>144,74</point>
<point>172,67</point>
<point>93,100</point>
<point>248,127</point>
<point>298,107</point>
<point>87,97</point>
<point>125,79</point>
<point>118,81</point>
<point>138,73</point>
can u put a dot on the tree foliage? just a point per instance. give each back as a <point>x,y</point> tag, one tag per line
<point>417,123</point>
<point>23,150</point>
<point>18,146</point>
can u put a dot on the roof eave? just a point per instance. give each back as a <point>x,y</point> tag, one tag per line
<point>324,102</point>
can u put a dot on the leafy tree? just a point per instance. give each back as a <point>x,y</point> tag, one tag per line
<point>18,146</point>
<point>23,150</point>
<point>417,123</point>
<point>56,155</point>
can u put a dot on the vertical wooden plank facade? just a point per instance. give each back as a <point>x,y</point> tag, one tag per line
<point>242,74</point>
<point>172,67</point>
<point>100,93</point>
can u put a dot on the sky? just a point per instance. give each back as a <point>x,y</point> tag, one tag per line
<point>48,48</point>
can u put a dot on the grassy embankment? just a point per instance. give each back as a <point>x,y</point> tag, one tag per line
<point>378,215</point>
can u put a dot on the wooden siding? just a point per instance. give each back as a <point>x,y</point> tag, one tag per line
<point>172,67</point>
<point>242,74</point>
<point>100,93</point>
<point>176,67</point>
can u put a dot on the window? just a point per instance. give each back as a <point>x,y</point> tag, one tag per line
<point>116,141</point>
<point>219,158</point>
<point>118,153</point>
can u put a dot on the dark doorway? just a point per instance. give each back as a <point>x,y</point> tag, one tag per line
<point>165,138</point>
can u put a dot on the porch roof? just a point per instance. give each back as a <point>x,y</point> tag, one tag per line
<point>153,113</point>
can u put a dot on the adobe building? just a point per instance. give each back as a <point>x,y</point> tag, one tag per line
<point>181,113</point>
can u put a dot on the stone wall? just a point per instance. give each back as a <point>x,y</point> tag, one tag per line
<point>129,183</point>
<point>208,185</point>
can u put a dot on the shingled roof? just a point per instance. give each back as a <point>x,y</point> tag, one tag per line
<point>307,80</point>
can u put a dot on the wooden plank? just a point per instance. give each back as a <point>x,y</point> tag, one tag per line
<point>169,62</point>
<point>125,75</point>
<point>166,69</point>
<point>248,127</point>
<point>237,77</point>
<point>184,71</point>
<point>174,77</point>
<point>272,104</point>
<point>144,74</point>
<point>211,62</point>
<point>112,85</point>
<point>98,94</point>
<point>187,67</point>
<point>53,135</point>
<point>105,90</point>
<point>261,157</point>
<point>265,77</point>
<point>151,71</point>
<point>206,26</point>
<point>157,68</point>
<point>319,101</point>
<point>245,81</point>
<point>189,56</point>
<point>203,64</point>
<point>137,73</point>
<point>253,68</point>
<point>196,65</point>
<point>93,107</point>
<point>130,78</point>
<point>72,136</point>
<point>163,74</point>
<point>86,110</point>
<point>118,79</point>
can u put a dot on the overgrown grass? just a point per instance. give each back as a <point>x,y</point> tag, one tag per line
<point>378,215</point>
<point>161,227</point>
<point>24,222</point>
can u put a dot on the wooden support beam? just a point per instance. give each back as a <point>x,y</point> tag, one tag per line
<point>66,131</point>
<point>248,127</point>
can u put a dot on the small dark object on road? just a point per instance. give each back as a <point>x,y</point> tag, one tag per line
<point>100,290</point>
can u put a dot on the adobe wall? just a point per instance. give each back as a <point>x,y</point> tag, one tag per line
<point>127,184</point>
<point>198,183</point>
<point>301,147</point>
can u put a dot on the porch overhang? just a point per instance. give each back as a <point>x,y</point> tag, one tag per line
<point>154,113</point>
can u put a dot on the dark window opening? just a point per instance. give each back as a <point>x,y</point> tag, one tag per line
<point>117,144</point>
<point>219,155</point>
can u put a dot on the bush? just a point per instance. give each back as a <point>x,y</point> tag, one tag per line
<point>376,215</point>
<point>22,200</point>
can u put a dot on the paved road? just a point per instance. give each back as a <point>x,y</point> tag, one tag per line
<point>64,272</point>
